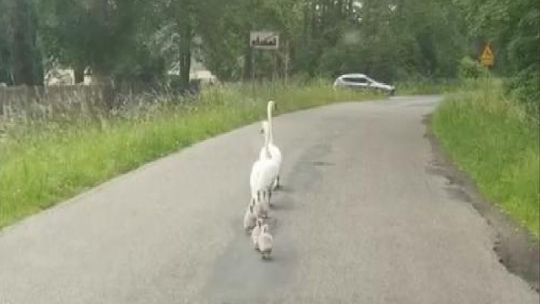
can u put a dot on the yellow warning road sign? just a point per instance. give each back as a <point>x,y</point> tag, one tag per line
<point>487,57</point>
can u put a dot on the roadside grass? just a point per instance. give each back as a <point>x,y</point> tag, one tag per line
<point>438,86</point>
<point>494,140</point>
<point>44,162</point>
<point>427,87</point>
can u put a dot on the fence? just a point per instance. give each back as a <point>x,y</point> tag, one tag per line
<point>36,102</point>
<point>45,101</point>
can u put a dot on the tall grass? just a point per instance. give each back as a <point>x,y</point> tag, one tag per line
<point>427,87</point>
<point>437,86</point>
<point>497,143</point>
<point>43,162</point>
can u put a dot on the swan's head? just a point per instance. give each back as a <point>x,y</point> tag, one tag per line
<point>272,105</point>
<point>259,222</point>
<point>265,228</point>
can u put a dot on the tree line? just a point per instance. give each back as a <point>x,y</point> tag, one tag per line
<point>387,39</point>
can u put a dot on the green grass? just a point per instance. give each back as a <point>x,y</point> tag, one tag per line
<point>42,163</point>
<point>426,87</point>
<point>493,139</point>
<point>436,87</point>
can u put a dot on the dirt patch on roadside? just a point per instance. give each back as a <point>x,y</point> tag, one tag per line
<point>517,250</point>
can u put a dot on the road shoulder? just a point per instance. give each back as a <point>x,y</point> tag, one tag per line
<point>517,250</point>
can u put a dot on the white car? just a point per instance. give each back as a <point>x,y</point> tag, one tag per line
<point>361,81</point>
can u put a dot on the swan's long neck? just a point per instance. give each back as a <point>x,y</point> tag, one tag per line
<point>267,144</point>
<point>269,114</point>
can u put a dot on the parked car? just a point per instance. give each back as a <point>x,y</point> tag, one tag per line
<point>361,81</point>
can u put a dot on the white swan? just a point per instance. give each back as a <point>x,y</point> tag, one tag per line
<point>275,152</point>
<point>263,174</point>
<point>262,178</point>
<point>265,242</point>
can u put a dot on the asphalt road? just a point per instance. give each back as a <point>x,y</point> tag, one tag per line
<point>363,218</point>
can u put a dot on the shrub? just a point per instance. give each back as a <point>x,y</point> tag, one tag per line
<point>470,68</point>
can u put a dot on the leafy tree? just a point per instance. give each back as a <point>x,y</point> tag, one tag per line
<point>20,58</point>
<point>104,35</point>
<point>5,53</point>
<point>513,28</point>
<point>388,39</point>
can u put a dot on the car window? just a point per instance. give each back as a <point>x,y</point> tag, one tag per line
<point>355,79</point>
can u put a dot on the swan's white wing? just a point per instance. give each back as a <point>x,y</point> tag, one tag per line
<point>275,153</point>
<point>254,176</point>
<point>267,173</point>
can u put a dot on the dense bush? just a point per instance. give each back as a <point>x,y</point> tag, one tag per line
<point>470,68</point>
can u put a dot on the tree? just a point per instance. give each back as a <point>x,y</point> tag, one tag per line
<point>105,35</point>
<point>20,57</point>
<point>5,53</point>
<point>513,28</point>
<point>387,39</point>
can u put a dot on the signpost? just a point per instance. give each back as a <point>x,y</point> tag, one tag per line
<point>264,40</point>
<point>487,58</point>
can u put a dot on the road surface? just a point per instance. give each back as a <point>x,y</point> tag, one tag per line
<point>363,218</point>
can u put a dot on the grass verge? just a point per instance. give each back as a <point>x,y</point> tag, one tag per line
<point>42,163</point>
<point>437,86</point>
<point>494,141</point>
<point>427,87</point>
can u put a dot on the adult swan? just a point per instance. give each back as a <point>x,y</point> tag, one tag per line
<point>273,150</point>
